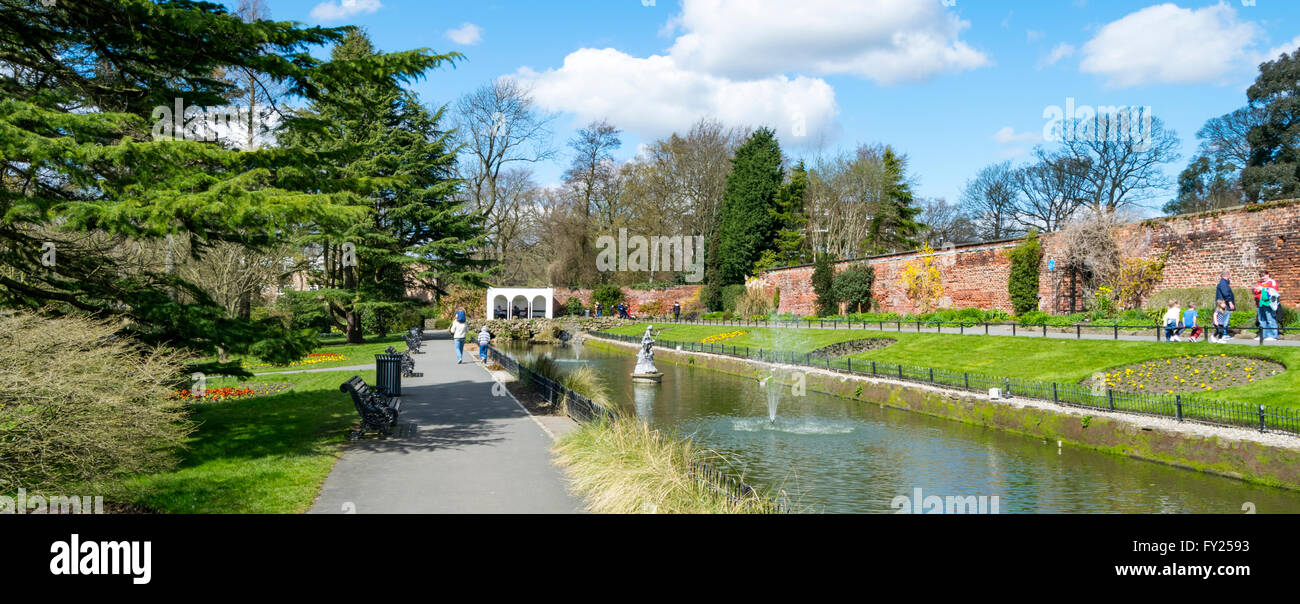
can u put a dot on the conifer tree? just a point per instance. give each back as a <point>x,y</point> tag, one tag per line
<point>748,225</point>
<point>894,226</point>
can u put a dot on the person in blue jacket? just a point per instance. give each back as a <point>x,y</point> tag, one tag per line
<point>1224,292</point>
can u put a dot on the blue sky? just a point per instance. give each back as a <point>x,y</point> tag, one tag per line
<point>955,85</point>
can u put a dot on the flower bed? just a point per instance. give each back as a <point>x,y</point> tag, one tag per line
<point>236,392</point>
<point>714,339</point>
<point>314,358</point>
<point>1188,373</point>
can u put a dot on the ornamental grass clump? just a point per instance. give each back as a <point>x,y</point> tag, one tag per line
<point>81,406</point>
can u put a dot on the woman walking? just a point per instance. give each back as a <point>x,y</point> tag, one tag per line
<point>458,331</point>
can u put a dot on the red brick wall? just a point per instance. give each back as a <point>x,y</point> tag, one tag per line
<point>1243,240</point>
<point>635,297</point>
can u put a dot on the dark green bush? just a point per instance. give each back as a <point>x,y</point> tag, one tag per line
<point>823,282</point>
<point>1022,284</point>
<point>573,307</point>
<point>729,295</point>
<point>609,296</point>
<point>852,286</point>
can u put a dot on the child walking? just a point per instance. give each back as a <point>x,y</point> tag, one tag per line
<point>484,338</point>
<point>1221,318</point>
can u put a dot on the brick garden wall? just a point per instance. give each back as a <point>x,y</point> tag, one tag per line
<point>1242,240</point>
<point>635,297</point>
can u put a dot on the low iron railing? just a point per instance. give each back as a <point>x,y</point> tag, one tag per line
<point>582,409</point>
<point>959,327</point>
<point>1178,406</point>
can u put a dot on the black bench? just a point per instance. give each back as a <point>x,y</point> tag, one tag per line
<point>412,344</point>
<point>378,411</point>
<point>408,363</point>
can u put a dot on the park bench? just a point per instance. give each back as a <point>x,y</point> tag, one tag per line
<point>378,411</point>
<point>408,363</point>
<point>412,344</point>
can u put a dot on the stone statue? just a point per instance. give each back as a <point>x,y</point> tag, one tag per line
<point>645,359</point>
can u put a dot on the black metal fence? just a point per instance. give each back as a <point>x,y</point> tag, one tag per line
<point>960,327</point>
<point>583,409</point>
<point>1181,407</point>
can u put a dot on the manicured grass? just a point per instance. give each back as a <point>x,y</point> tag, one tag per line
<point>1058,360</point>
<point>354,354</point>
<point>262,455</point>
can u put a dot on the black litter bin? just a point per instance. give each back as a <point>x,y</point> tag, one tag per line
<point>388,373</point>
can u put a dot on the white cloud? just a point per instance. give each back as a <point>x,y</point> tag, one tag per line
<point>882,40</point>
<point>1166,44</point>
<point>337,10</point>
<point>467,34</point>
<point>1007,136</point>
<point>655,96</point>
<point>1034,35</point>
<point>1285,49</point>
<point>1061,51</point>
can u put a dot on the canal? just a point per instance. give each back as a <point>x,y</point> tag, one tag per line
<point>831,454</point>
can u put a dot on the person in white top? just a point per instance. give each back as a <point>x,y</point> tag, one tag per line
<point>1173,319</point>
<point>459,329</point>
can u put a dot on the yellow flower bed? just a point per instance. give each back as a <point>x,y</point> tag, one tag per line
<point>713,339</point>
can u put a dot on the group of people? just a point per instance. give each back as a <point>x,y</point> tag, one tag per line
<point>620,310</point>
<point>1267,304</point>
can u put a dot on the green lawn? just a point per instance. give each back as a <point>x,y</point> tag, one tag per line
<point>261,455</point>
<point>353,354</point>
<point>1065,361</point>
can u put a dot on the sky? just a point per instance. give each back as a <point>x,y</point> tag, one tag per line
<point>954,84</point>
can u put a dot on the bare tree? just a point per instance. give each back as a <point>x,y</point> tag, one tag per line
<point>1224,138</point>
<point>1122,160</point>
<point>945,223</point>
<point>990,200</point>
<point>844,194</point>
<point>1049,190</point>
<point>499,128</point>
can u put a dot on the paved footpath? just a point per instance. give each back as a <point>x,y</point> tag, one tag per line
<point>457,449</point>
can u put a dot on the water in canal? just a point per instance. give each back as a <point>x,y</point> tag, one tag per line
<point>832,454</point>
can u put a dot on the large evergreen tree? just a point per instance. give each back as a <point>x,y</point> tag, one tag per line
<point>748,224</point>
<point>894,226</point>
<point>378,137</point>
<point>1274,168</point>
<point>791,218</point>
<point>86,180</point>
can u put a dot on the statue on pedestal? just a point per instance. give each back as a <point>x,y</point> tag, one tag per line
<point>645,359</point>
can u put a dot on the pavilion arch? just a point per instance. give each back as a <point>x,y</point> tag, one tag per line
<point>530,302</point>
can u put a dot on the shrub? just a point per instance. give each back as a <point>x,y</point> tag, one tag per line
<point>306,311</point>
<point>823,282</point>
<point>462,296</point>
<point>753,303</point>
<point>729,295</point>
<point>573,307</point>
<point>609,296</point>
<point>1022,284</point>
<point>1137,279</point>
<point>853,287</point>
<point>84,406</point>
<point>921,281</point>
<point>653,308</point>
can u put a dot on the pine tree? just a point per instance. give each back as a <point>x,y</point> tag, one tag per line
<point>894,226</point>
<point>748,226</point>
<point>380,138</point>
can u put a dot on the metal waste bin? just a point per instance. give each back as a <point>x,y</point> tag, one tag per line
<point>388,373</point>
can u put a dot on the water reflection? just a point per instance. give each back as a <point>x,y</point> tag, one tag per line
<point>837,455</point>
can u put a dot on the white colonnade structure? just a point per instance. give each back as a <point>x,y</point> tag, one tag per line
<point>520,302</point>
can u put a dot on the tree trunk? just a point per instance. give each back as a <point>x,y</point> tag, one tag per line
<point>354,328</point>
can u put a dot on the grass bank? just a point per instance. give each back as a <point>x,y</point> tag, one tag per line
<point>1046,359</point>
<point>261,455</point>
<point>334,351</point>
